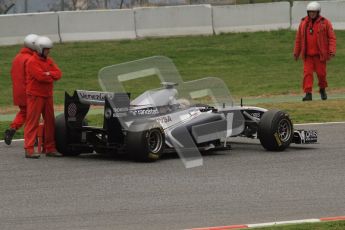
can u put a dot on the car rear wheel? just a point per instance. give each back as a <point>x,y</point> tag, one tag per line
<point>62,135</point>
<point>145,141</point>
<point>275,130</point>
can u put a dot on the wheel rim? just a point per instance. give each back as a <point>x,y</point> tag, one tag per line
<point>284,130</point>
<point>155,140</point>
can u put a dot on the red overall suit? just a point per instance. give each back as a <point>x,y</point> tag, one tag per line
<point>316,43</point>
<point>42,72</point>
<point>18,74</point>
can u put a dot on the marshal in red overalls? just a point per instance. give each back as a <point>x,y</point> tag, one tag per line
<point>42,73</point>
<point>316,43</point>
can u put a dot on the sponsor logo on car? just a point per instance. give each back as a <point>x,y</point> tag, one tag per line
<point>149,111</point>
<point>94,96</point>
<point>310,135</point>
<point>257,115</point>
<point>164,119</point>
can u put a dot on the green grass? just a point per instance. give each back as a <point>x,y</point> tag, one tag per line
<point>251,64</point>
<point>314,111</point>
<point>332,225</point>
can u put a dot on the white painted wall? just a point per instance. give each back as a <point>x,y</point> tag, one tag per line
<point>251,17</point>
<point>332,10</point>
<point>173,21</point>
<point>15,27</point>
<point>162,21</point>
<point>96,25</point>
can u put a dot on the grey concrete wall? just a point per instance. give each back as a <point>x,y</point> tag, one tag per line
<point>173,21</point>
<point>96,25</point>
<point>253,17</point>
<point>161,21</point>
<point>15,27</point>
<point>333,10</point>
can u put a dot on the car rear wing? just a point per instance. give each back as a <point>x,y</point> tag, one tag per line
<point>93,97</point>
<point>78,105</point>
<point>76,108</point>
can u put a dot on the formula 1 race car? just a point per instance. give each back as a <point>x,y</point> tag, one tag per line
<point>186,117</point>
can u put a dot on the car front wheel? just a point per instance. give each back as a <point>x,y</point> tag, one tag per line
<point>275,130</point>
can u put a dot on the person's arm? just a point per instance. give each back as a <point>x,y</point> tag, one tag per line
<point>332,41</point>
<point>297,48</point>
<point>54,70</point>
<point>13,67</point>
<point>37,72</point>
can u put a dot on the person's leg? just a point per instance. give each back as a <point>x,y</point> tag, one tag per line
<point>308,70</point>
<point>18,122</point>
<point>34,110</point>
<point>321,75</point>
<point>49,128</point>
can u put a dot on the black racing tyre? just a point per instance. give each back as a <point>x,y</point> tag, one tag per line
<point>275,130</point>
<point>145,141</point>
<point>61,137</point>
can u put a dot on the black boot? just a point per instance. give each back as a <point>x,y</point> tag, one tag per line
<point>307,97</point>
<point>323,94</point>
<point>9,133</point>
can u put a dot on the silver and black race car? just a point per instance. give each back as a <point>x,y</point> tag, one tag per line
<point>186,117</point>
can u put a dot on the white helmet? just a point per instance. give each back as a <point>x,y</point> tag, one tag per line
<point>29,41</point>
<point>43,42</point>
<point>314,6</point>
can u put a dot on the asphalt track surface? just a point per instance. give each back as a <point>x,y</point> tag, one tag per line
<point>241,186</point>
